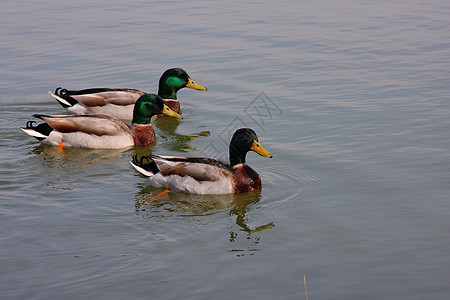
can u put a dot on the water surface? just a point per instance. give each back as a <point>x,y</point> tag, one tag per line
<point>351,99</point>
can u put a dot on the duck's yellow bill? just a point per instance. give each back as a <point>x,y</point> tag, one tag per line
<point>168,112</point>
<point>193,85</point>
<point>260,150</point>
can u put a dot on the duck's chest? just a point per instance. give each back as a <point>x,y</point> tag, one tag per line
<point>245,179</point>
<point>143,134</point>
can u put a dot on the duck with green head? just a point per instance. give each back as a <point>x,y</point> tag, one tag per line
<point>119,102</point>
<point>200,175</point>
<point>101,131</point>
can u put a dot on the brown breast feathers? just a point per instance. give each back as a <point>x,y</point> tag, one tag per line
<point>143,135</point>
<point>245,179</point>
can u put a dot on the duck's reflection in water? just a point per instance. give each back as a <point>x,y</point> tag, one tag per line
<point>167,127</point>
<point>76,157</point>
<point>162,203</point>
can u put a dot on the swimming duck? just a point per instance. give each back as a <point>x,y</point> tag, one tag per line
<point>200,175</point>
<point>101,131</point>
<point>119,102</point>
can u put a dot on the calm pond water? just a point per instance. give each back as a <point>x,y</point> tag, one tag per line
<point>351,99</point>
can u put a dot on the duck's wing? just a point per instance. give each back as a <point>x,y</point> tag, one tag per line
<point>97,96</point>
<point>90,124</point>
<point>199,168</point>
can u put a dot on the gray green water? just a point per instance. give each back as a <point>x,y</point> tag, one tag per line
<point>352,99</point>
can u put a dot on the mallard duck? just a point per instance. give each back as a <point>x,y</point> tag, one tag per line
<point>101,131</point>
<point>200,175</point>
<point>119,102</point>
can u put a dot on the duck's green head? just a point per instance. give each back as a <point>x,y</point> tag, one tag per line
<point>244,140</point>
<point>173,80</point>
<point>149,105</point>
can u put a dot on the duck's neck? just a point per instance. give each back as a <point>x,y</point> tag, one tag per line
<point>237,157</point>
<point>167,92</point>
<point>140,121</point>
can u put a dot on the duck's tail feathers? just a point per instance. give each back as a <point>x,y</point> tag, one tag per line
<point>61,95</point>
<point>41,131</point>
<point>144,165</point>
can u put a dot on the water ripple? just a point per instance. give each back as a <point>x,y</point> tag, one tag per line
<point>284,187</point>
